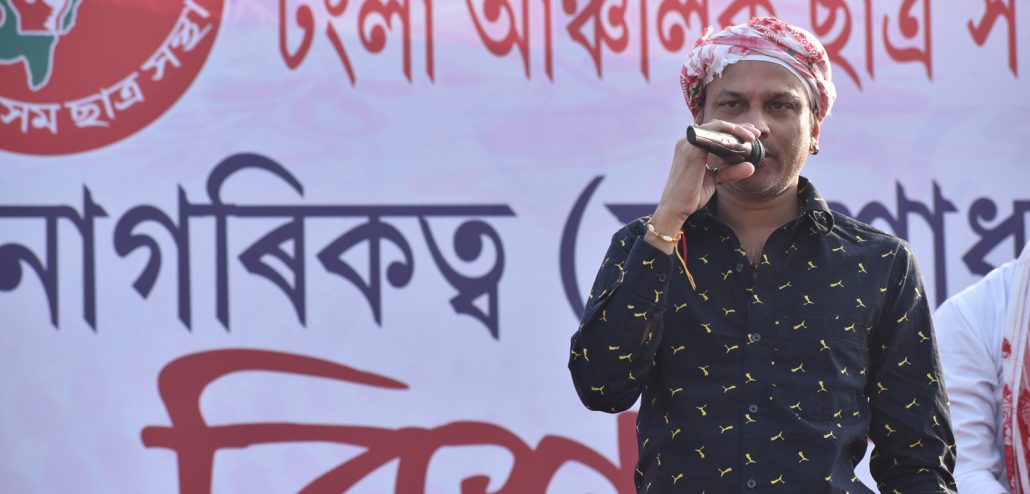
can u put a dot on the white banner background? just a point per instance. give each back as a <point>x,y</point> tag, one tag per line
<point>74,401</point>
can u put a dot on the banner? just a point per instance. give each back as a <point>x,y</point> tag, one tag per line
<point>322,247</point>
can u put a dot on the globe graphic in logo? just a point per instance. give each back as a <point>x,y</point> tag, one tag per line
<point>77,75</point>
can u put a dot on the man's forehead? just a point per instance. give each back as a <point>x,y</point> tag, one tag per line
<point>753,77</point>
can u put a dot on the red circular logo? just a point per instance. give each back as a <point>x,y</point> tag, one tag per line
<point>76,75</point>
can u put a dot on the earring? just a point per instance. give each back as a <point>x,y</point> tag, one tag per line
<point>815,149</point>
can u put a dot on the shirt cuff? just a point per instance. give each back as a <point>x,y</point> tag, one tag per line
<point>647,272</point>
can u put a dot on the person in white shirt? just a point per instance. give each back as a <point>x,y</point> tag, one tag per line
<point>982,338</point>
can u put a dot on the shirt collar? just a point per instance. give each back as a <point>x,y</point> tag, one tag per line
<point>813,207</point>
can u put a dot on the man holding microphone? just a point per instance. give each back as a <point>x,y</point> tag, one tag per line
<point>766,336</point>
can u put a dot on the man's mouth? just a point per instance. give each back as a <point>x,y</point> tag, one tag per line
<point>766,157</point>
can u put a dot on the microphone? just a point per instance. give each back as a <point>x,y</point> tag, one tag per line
<point>726,146</point>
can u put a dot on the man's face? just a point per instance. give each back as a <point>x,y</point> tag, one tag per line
<point>772,99</point>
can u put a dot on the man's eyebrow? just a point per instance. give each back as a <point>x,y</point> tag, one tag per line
<point>794,95</point>
<point>732,94</point>
<point>785,95</point>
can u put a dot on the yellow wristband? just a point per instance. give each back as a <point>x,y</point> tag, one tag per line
<point>667,238</point>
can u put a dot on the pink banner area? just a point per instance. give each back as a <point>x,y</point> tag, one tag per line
<point>317,247</point>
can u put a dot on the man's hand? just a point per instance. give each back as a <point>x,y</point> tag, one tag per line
<point>693,176</point>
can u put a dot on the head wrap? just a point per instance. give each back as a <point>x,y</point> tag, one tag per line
<point>761,38</point>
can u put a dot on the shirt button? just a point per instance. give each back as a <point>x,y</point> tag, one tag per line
<point>751,484</point>
<point>753,408</point>
<point>661,278</point>
<point>756,337</point>
<point>740,267</point>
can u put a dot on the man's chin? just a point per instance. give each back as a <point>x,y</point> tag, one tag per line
<point>763,184</point>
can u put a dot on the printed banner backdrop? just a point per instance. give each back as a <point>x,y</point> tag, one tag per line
<point>250,246</point>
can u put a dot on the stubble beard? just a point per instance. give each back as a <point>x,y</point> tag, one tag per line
<point>760,188</point>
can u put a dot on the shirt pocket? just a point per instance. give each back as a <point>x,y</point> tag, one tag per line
<point>819,367</point>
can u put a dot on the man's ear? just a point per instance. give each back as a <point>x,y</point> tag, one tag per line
<point>700,117</point>
<point>813,146</point>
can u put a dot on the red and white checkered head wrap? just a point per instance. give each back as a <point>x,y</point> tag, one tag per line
<point>761,38</point>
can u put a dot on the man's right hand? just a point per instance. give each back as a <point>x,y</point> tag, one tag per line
<point>693,177</point>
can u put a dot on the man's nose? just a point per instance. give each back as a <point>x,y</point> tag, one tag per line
<point>756,116</point>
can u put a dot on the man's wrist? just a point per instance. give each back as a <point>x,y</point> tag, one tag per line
<point>663,231</point>
<point>672,237</point>
<point>666,222</point>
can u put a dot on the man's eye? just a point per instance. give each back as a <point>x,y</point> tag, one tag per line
<point>729,104</point>
<point>777,105</point>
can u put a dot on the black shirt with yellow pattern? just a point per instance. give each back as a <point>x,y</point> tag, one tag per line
<point>769,377</point>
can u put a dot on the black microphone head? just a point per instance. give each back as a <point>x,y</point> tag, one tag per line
<point>757,153</point>
<point>691,134</point>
